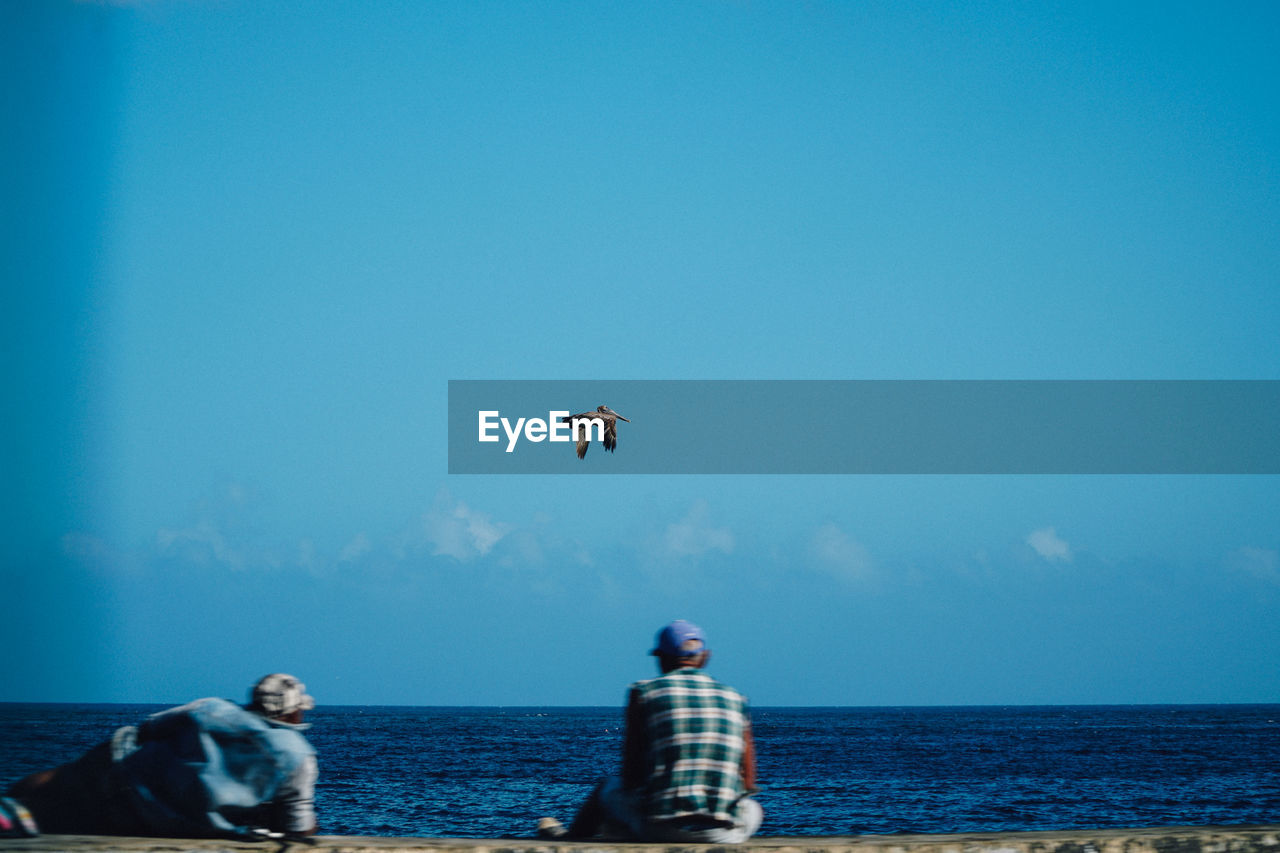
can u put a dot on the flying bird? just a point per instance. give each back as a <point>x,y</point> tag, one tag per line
<point>603,413</point>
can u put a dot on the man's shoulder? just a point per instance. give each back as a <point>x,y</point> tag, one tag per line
<point>209,707</point>
<point>689,678</point>
<point>215,714</point>
<point>207,702</point>
<point>289,738</point>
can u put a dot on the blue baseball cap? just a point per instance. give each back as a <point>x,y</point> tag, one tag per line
<point>680,639</point>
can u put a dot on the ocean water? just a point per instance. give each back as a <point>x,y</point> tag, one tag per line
<point>491,772</point>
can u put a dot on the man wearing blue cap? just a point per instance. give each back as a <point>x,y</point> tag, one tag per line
<point>688,762</point>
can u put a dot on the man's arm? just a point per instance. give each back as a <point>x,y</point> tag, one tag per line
<point>748,766</point>
<point>295,801</point>
<point>634,744</point>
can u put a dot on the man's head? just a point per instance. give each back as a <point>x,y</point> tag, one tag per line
<point>681,644</point>
<point>280,697</point>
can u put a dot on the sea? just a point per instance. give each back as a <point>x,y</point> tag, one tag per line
<point>491,772</point>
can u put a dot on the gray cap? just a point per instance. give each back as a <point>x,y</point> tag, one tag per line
<point>278,695</point>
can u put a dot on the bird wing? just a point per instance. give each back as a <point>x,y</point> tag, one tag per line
<point>610,434</point>
<point>584,440</point>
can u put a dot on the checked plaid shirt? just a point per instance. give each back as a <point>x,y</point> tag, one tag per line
<point>688,739</point>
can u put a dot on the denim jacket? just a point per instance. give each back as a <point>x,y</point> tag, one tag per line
<point>211,767</point>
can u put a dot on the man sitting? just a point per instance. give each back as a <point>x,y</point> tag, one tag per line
<point>688,761</point>
<point>207,768</point>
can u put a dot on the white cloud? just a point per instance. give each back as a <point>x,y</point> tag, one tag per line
<point>524,549</point>
<point>1049,545</point>
<point>202,543</point>
<point>455,530</point>
<point>1262,563</point>
<point>224,533</point>
<point>841,554</point>
<point>355,549</point>
<point>694,535</point>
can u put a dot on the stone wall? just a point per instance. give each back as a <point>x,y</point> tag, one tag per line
<point>1204,839</point>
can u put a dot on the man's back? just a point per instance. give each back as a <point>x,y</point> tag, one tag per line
<point>688,760</point>
<point>692,731</point>
<point>210,765</point>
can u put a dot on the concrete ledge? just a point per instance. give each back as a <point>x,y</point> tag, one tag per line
<point>1190,839</point>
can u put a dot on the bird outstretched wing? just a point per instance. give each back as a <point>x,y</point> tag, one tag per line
<point>609,435</point>
<point>584,434</point>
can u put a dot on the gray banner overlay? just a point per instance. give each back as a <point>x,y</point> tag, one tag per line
<point>876,427</point>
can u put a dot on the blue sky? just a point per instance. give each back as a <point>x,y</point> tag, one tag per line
<point>250,244</point>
